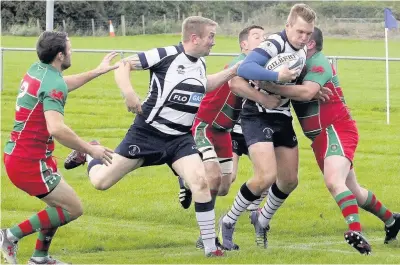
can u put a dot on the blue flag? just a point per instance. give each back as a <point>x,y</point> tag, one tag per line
<point>390,20</point>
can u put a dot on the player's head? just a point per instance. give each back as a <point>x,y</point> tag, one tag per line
<point>54,48</point>
<point>250,38</point>
<point>300,25</point>
<point>316,42</point>
<point>199,33</point>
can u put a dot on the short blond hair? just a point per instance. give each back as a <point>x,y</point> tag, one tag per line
<point>195,25</point>
<point>303,11</point>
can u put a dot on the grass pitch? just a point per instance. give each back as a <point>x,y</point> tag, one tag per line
<point>139,220</point>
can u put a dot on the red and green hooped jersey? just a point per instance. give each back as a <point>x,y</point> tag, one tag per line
<point>42,88</point>
<point>221,108</point>
<point>314,115</point>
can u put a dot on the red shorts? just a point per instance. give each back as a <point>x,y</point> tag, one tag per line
<point>35,177</point>
<point>340,138</point>
<point>214,145</point>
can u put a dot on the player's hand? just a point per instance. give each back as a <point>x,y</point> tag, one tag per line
<point>102,153</point>
<point>285,75</point>
<point>105,65</point>
<point>323,94</point>
<point>235,67</point>
<point>270,101</point>
<point>132,102</point>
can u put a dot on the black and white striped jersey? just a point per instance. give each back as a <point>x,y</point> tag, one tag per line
<point>177,86</point>
<point>271,47</point>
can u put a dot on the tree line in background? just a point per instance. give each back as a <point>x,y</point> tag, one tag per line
<point>14,13</point>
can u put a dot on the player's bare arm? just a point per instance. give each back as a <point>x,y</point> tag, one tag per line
<point>67,137</point>
<point>122,78</point>
<point>133,61</point>
<point>304,92</point>
<point>216,80</point>
<point>241,87</point>
<point>75,81</point>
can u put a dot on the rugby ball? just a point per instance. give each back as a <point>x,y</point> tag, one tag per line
<point>292,60</point>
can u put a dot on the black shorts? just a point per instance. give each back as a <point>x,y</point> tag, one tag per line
<point>276,128</point>
<point>155,147</point>
<point>239,146</point>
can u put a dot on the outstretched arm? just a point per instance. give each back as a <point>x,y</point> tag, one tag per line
<point>75,81</point>
<point>216,80</point>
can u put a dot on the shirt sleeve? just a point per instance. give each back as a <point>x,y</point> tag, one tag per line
<point>150,59</point>
<point>319,71</point>
<point>53,97</point>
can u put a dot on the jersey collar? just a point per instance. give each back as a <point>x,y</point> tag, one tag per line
<point>49,66</point>
<point>182,49</point>
<point>284,37</point>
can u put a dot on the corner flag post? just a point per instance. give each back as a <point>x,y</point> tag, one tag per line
<point>390,23</point>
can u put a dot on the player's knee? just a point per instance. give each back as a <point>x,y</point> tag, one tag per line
<point>332,184</point>
<point>223,190</point>
<point>214,180</point>
<point>100,181</point>
<point>76,210</point>
<point>100,185</point>
<point>233,177</point>
<point>198,182</point>
<point>264,180</point>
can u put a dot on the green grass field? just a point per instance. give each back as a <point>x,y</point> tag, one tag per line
<point>140,220</point>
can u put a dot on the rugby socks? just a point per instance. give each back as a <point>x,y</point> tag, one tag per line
<point>348,205</point>
<point>275,199</point>
<point>242,200</point>
<point>43,242</point>
<point>92,163</point>
<point>255,204</point>
<point>51,217</point>
<point>374,206</point>
<point>205,216</point>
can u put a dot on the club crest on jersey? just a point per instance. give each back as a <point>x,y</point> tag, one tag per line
<point>235,144</point>
<point>57,95</point>
<point>268,132</point>
<point>181,69</point>
<point>133,150</point>
<point>318,69</point>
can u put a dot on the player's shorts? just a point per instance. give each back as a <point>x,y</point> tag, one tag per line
<point>35,177</point>
<point>214,145</point>
<point>239,145</point>
<point>155,147</point>
<point>340,138</point>
<point>275,128</point>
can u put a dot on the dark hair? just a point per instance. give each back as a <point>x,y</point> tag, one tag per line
<point>244,34</point>
<point>318,38</point>
<point>49,44</point>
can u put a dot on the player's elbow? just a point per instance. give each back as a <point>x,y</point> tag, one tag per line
<point>55,130</point>
<point>234,87</point>
<point>55,127</point>
<point>308,95</point>
<point>243,70</point>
